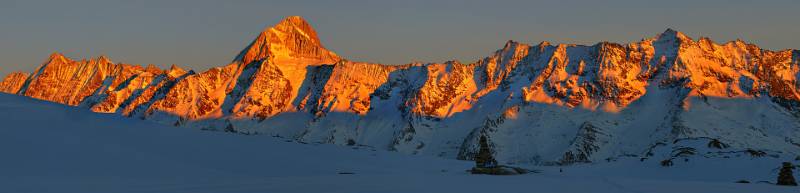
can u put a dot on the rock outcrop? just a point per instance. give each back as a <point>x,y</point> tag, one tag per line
<point>13,82</point>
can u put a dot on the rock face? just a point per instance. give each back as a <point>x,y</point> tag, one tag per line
<point>13,82</point>
<point>97,83</point>
<point>291,39</point>
<point>546,104</point>
<point>785,177</point>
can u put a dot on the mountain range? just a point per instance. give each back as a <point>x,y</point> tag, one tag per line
<point>665,97</point>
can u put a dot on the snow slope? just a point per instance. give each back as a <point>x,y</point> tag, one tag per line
<point>50,147</point>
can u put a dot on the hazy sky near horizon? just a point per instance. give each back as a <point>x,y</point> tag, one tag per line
<point>203,33</point>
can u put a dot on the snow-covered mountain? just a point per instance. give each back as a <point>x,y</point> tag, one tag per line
<point>544,104</point>
<point>56,148</point>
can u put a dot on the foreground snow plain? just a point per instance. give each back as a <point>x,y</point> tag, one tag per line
<point>48,147</point>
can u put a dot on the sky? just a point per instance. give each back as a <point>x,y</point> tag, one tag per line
<point>200,34</point>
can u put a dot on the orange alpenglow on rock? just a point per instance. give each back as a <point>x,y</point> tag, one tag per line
<point>13,82</point>
<point>287,83</point>
<point>292,39</point>
<point>265,78</point>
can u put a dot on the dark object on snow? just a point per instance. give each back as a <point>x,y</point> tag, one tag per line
<point>484,159</point>
<point>785,177</point>
<point>486,164</point>
<point>230,128</point>
<point>715,143</point>
<point>500,170</point>
<point>756,153</point>
<point>743,182</point>
<point>666,163</point>
<point>683,152</point>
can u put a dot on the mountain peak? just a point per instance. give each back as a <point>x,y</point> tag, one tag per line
<point>292,38</point>
<point>175,71</point>
<point>670,33</point>
<point>510,43</point>
<point>296,24</point>
<point>673,34</point>
<point>294,21</point>
<point>103,59</point>
<point>175,67</point>
<point>55,55</point>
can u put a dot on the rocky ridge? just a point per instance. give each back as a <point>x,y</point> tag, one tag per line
<point>544,103</point>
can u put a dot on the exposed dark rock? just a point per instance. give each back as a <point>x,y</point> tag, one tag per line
<point>586,142</point>
<point>666,163</point>
<point>785,177</point>
<point>756,153</point>
<point>484,158</point>
<point>715,143</point>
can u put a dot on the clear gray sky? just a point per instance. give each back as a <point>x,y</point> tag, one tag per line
<point>201,33</point>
